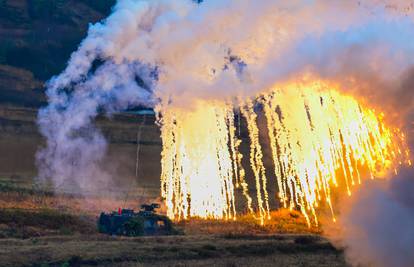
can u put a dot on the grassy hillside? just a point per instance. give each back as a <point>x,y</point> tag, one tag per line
<point>20,139</point>
<point>36,40</point>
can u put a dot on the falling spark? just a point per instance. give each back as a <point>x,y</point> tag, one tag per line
<point>197,166</point>
<point>320,139</point>
<point>315,131</point>
<point>256,162</point>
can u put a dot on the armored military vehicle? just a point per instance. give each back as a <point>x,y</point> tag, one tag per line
<point>130,223</point>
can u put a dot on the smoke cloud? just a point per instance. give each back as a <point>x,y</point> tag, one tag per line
<point>376,224</point>
<point>75,147</point>
<point>191,44</point>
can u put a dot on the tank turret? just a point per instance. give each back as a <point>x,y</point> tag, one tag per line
<point>130,223</point>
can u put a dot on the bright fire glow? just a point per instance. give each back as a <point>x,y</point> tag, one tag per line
<point>197,176</point>
<point>320,139</point>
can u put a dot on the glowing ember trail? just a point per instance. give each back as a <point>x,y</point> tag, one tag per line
<point>256,162</point>
<point>314,132</point>
<point>197,166</point>
<point>320,139</point>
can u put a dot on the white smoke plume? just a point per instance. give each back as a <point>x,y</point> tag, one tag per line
<point>191,44</point>
<point>171,52</point>
<point>75,147</point>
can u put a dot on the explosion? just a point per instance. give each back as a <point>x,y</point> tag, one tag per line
<point>205,65</point>
<point>320,140</point>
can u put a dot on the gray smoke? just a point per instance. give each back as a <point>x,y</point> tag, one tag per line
<point>377,223</point>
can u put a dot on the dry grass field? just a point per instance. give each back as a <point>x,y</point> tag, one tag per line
<point>188,250</point>
<point>40,228</point>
